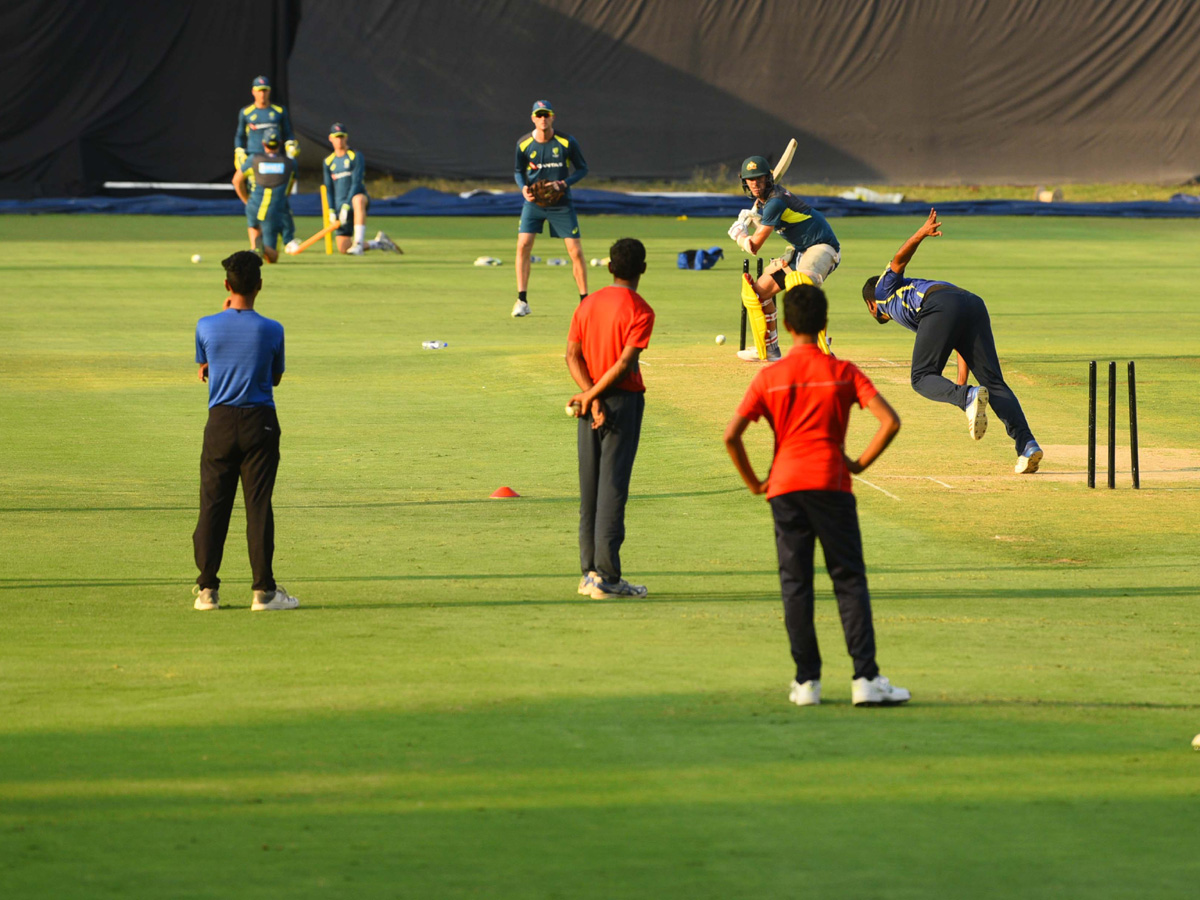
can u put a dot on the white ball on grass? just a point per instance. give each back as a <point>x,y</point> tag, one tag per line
<point>1196,742</point>
<point>196,257</point>
<point>720,338</point>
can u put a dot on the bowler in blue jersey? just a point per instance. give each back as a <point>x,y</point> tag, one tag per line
<point>947,318</point>
<point>240,354</point>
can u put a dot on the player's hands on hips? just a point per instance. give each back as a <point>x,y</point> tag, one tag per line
<point>853,465</point>
<point>760,488</point>
<point>931,228</point>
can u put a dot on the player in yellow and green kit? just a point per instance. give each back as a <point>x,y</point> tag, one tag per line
<point>343,171</point>
<point>812,255</point>
<point>546,155</point>
<point>262,183</point>
<point>255,119</point>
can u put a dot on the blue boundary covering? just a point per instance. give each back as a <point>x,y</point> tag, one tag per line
<point>427,202</point>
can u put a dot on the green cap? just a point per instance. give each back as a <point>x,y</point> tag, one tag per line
<point>755,166</point>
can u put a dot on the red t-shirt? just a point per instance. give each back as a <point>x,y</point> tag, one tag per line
<point>605,324</point>
<point>806,397</point>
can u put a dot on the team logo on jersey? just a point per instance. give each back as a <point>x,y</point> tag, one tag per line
<point>533,154</point>
<point>254,118</point>
<point>346,164</point>
<point>556,151</point>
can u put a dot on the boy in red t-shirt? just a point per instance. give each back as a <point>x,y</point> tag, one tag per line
<point>609,331</point>
<point>806,398</point>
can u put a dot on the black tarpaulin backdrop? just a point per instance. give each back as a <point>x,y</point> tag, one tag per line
<point>874,90</point>
<point>130,89</point>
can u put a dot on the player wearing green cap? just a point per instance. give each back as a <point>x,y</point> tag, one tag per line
<point>812,255</point>
<point>343,172</point>
<point>253,121</point>
<point>543,159</point>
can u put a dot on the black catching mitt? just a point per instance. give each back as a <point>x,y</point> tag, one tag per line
<point>547,193</point>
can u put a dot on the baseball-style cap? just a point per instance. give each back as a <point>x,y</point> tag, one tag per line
<point>337,129</point>
<point>543,106</point>
<point>261,83</point>
<point>270,137</point>
<point>755,166</point>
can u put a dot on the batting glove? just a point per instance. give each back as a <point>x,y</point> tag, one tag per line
<point>743,241</point>
<point>746,215</point>
<point>344,213</point>
<point>738,230</point>
<point>239,158</point>
<point>292,149</point>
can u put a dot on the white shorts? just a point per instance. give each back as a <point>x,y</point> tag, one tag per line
<point>818,262</point>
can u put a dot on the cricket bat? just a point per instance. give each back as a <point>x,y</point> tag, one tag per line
<point>328,229</point>
<point>785,161</point>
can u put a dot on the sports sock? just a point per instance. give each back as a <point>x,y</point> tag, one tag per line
<point>582,297</point>
<point>521,295</point>
<point>360,233</point>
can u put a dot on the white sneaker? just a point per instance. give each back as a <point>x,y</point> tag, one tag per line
<point>977,412</point>
<point>807,694</point>
<point>587,582</point>
<point>291,246</point>
<point>878,691</point>
<point>749,354</point>
<point>383,242</point>
<point>612,590</point>
<point>276,599</point>
<point>355,250</point>
<point>520,308</point>
<point>205,599</point>
<point>1029,460</point>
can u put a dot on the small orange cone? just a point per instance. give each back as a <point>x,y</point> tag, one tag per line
<point>504,492</point>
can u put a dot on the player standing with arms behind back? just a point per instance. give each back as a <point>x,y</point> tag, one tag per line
<point>543,158</point>
<point>806,398</point>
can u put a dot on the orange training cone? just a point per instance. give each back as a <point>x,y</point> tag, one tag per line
<point>502,493</point>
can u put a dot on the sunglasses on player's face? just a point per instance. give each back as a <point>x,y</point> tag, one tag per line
<point>541,115</point>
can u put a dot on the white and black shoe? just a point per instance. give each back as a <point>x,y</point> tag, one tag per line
<point>276,599</point>
<point>520,308</point>
<point>383,242</point>
<point>587,582</point>
<point>205,599</point>
<point>878,691</point>
<point>291,247</point>
<point>616,590</point>
<point>355,250</point>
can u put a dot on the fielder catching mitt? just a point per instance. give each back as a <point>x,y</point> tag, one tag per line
<point>547,193</point>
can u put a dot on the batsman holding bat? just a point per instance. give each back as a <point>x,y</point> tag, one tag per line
<point>813,250</point>
<point>544,157</point>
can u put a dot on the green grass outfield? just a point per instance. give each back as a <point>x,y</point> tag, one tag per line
<point>445,717</point>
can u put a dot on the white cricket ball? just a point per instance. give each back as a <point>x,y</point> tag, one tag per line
<point>595,262</point>
<point>720,338</point>
<point>196,257</point>
<point>1196,742</point>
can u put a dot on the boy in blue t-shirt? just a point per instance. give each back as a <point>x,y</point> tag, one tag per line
<point>947,318</point>
<point>240,355</point>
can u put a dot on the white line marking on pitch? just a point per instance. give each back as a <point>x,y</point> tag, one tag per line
<point>942,483</point>
<point>877,487</point>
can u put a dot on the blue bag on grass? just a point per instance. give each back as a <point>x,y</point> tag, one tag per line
<point>700,259</point>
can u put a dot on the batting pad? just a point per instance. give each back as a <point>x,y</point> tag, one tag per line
<point>794,279</point>
<point>754,315</point>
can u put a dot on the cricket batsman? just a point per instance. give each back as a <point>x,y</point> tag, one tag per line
<point>813,253</point>
<point>262,183</point>
<point>253,121</point>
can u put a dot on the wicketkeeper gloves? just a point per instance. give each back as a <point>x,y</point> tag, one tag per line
<point>292,149</point>
<point>239,158</point>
